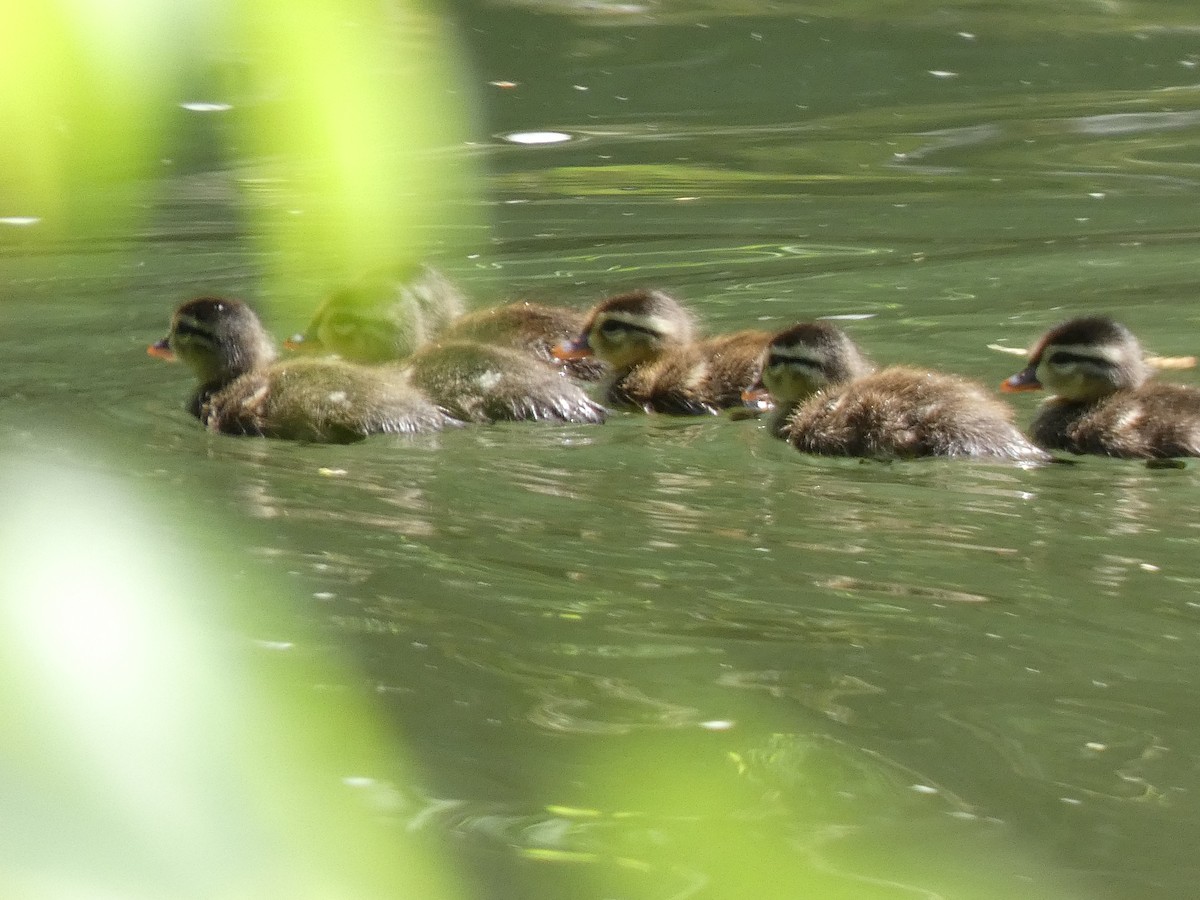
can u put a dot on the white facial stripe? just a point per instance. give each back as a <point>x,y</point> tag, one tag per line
<point>801,355</point>
<point>641,322</point>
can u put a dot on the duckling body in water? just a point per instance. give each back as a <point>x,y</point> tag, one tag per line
<point>831,401</point>
<point>391,315</point>
<point>648,339</point>
<point>244,390</point>
<point>483,383</point>
<point>532,328</point>
<point>1105,402</point>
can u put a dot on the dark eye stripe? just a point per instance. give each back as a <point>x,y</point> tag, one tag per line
<point>611,326</point>
<point>185,327</point>
<point>1061,357</point>
<point>779,359</point>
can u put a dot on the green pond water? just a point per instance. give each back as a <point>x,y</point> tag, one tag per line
<point>672,657</point>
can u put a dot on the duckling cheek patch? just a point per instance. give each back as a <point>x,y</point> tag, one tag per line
<point>1066,379</point>
<point>1077,368</point>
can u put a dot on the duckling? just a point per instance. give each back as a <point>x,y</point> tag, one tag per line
<point>529,327</point>
<point>484,383</point>
<point>243,390</point>
<point>383,317</point>
<point>658,364</point>
<point>830,400</point>
<point>1104,402</point>
<point>389,316</point>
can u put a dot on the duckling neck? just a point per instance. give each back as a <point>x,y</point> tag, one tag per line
<point>202,395</point>
<point>779,416</point>
<point>236,365</point>
<point>250,356</point>
<point>617,381</point>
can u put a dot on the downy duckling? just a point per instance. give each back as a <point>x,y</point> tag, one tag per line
<point>385,316</point>
<point>529,327</point>
<point>243,390</point>
<point>830,400</point>
<point>484,383</point>
<point>1104,402</point>
<point>389,316</point>
<point>658,365</point>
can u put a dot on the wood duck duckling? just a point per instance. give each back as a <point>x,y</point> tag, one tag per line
<point>389,316</point>
<point>1104,402</point>
<point>485,383</point>
<point>243,390</point>
<point>830,400</point>
<point>657,363</point>
<point>384,317</point>
<point>530,327</point>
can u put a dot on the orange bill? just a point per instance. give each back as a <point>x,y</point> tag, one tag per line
<point>566,350</point>
<point>1025,380</point>
<point>161,350</point>
<point>756,396</point>
<point>302,343</point>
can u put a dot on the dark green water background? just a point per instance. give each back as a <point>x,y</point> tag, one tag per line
<point>997,657</point>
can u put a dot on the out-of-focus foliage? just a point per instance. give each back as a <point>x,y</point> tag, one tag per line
<point>849,844</point>
<point>84,90</point>
<point>168,729</point>
<point>341,123</point>
<point>361,112</point>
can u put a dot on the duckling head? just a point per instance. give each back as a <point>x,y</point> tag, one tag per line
<point>631,329</point>
<point>384,316</point>
<point>218,338</point>
<point>360,325</point>
<point>810,357</point>
<point>1083,360</point>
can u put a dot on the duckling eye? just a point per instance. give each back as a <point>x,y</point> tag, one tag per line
<point>614,333</point>
<point>208,309</point>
